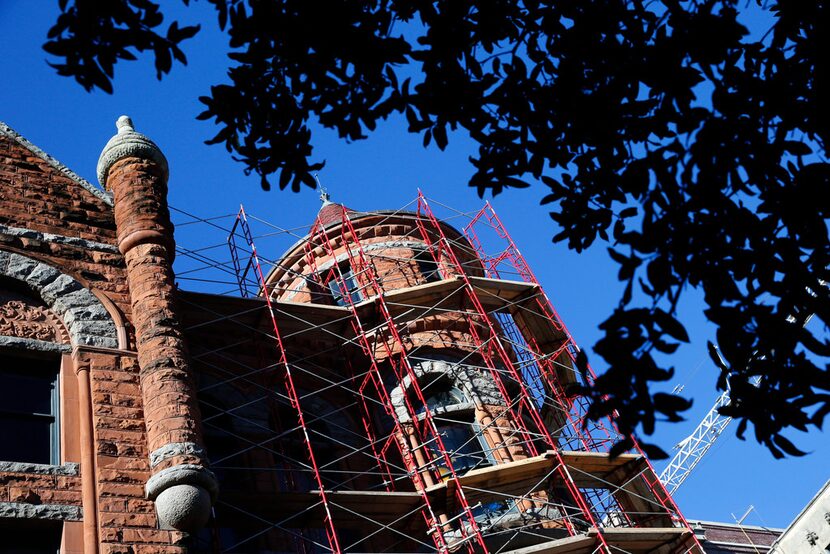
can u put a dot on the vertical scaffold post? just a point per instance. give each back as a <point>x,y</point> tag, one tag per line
<point>253,263</point>
<point>424,429</point>
<point>440,246</point>
<point>511,255</point>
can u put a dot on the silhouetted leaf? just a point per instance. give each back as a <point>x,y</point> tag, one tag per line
<point>653,451</point>
<point>669,324</point>
<point>784,444</point>
<point>621,447</point>
<point>691,145</point>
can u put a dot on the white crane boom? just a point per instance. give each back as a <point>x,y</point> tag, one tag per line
<point>692,449</point>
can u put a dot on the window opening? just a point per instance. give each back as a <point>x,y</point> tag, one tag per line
<point>347,287</point>
<point>29,409</point>
<point>445,396</point>
<point>464,440</point>
<point>462,436</point>
<point>427,266</point>
<point>30,536</point>
<point>329,288</point>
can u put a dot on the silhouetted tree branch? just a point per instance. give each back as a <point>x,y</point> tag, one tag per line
<point>659,128</point>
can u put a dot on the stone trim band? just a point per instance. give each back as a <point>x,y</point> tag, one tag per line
<point>173,449</point>
<point>58,512</point>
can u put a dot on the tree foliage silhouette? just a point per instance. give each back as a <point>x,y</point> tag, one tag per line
<point>660,128</point>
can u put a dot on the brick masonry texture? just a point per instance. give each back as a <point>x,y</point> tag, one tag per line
<point>171,413</point>
<point>57,237</point>
<point>126,517</point>
<point>38,488</point>
<point>37,196</point>
<point>145,236</point>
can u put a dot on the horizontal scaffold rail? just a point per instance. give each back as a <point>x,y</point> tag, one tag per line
<point>388,386</point>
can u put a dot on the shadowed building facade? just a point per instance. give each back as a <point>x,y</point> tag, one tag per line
<point>382,386</point>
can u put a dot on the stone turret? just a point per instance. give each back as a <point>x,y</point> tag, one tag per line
<point>134,169</point>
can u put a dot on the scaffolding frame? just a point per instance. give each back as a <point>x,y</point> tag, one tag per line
<point>407,460</point>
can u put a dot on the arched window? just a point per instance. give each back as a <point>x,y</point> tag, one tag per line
<point>454,417</point>
<point>441,397</point>
<point>29,394</point>
<point>463,438</point>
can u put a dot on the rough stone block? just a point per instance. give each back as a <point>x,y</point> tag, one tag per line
<point>22,510</point>
<point>59,287</point>
<point>41,276</point>
<point>76,299</point>
<point>20,267</point>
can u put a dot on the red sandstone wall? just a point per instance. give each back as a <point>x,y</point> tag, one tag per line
<point>35,195</point>
<point>127,520</point>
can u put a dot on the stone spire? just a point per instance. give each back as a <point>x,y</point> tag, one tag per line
<point>135,170</point>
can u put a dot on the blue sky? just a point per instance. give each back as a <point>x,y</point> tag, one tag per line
<point>383,172</point>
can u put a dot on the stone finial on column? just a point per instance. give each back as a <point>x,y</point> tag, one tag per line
<point>135,170</point>
<point>127,143</point>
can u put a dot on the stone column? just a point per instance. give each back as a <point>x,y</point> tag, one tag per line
<point>135,170</point>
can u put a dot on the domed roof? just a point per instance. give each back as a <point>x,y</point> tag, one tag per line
<point>330,212</point>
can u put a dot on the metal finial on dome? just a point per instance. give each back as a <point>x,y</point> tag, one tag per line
<point>325,197</point>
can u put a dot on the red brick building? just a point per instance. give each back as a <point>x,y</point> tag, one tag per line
<point>383,386</point>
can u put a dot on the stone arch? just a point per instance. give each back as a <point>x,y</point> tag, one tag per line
<point>476,384</point>
<point>85,317</point>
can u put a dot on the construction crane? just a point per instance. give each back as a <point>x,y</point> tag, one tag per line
<point>690,451</point>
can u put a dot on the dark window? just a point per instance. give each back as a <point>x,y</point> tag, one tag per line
<point>319,290</point>
<point>336,288</point>
<point>460,433</point>
<point>345,289</point>
<point>29,409</point>
<point>464,440</point>
<point>30,537</point>
<point>427,266</point>
<point>464,444</point>
<point>442,396</point>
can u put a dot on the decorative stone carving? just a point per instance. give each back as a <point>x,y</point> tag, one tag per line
<point>87,321</point>
<point>23,317</point>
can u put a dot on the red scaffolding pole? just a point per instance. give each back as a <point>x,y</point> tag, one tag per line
<point>254,264</point>
<point>335,267</point>
<point>442,251</point>
<point>425,432</point>
<point>511,255</point>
